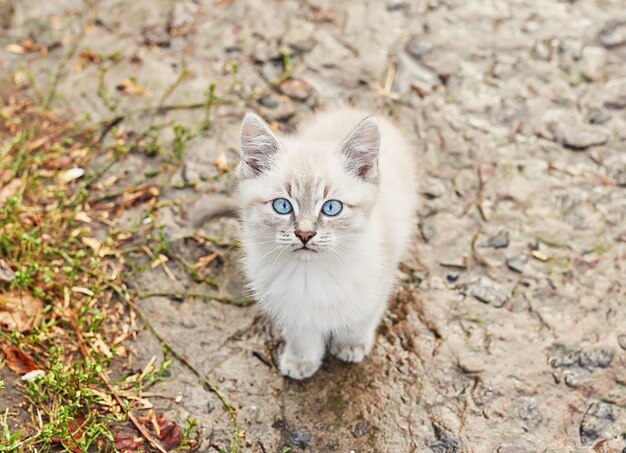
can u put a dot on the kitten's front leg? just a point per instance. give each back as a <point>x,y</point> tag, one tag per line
<point>353,343</point>
<point>303,353</point>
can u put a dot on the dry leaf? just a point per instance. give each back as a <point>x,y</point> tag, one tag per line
<point>58,163</point>
<point>127,444</point>
<point>10,189</point>
<point>77,432</point>
<point>82,217</point>
<point>17,360</point>
<point>89,56</point>
<point>19,313</point>
<point>168,432</point>
<point>203,261</point>
<point>131,87</point>
<point>14,48</point>
<point>6,273</point>
<point>92,243</point>
<point>221,163</point>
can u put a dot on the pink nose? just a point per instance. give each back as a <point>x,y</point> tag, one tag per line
<point>305,236</point>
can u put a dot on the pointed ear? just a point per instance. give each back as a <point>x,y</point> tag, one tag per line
<point>259,146</point>
<point>360,150</point>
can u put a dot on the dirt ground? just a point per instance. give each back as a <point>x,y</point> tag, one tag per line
<point>507,332</point>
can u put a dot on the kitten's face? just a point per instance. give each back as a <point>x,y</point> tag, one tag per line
<point>304,201</point>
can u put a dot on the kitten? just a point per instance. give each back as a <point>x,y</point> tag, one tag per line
<point>327,214</point>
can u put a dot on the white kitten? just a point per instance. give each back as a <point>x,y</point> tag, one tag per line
<point>327,214</point>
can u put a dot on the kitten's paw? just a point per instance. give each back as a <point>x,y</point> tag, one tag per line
<point>350,352</point>
<point>297,368</point>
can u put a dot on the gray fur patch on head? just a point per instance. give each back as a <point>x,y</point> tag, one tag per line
<point>259,146</point>
<point>360,150</point>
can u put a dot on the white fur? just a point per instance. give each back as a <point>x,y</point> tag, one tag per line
<point>338,292</point>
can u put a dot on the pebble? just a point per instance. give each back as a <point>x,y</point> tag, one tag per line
<point>296,89</point>
<point>360,429</point>
<point>622,341</point>
<point>613,34</point>
<point>444,441</point>
<point>575,136</point>
<point>590,360</point>
<point>411,74</point>
<point>418,46</point>
<point>489,292</point>
<point>32,375</point>
<point>598,417</point>
<point>528,411</point>
<point>598,116</point>
<point>616,168</point>
<point>499,241</point>
<point>268,102</point>
<point>517,263</point>
<point>427,229</point>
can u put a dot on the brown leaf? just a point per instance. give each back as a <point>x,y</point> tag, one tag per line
<point>19,312</point>
<point>58,163</point>
<point>77,432</point>
<point>17,360</point>
<point>10,189</point>
<point>6,273</point>
<point>89,56</point>
<point>128,444</point>
<point>168,431</point>
<point>221,162</point>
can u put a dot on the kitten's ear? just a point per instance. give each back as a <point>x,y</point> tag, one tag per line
<point>361,148</point>
<point>259,146</point>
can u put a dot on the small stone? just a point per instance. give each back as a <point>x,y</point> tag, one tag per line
<point>435,188</point>
<point>444,62</point>
<point>589,360</point>
<point>598,116</point>
<point>411,74</point>
<point>575,136</point>
<point>296,89</point>
<point>268,102</point>
<point>597,418</point>
<point>593,62</point>
<point>616,168</point>
<point>418,46</point>
<point>360,429</point>
<point>72,174</point>
<point>499,241</point>
<point>575,377</point>
<point>33,375</point>
<point>517,263</point>
<point>444,441</point>
<point>622,341</point>
<point>427,229</point>
<point>613,34</point>
<point>528,411</point>
<point>489,292</point>
<point>596,358</point>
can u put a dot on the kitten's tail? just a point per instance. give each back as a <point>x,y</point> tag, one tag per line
<point>210,207</point>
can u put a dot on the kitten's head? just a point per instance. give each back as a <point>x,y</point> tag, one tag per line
<point>307,199</point>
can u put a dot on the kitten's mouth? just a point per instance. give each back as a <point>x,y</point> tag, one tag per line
<point>305,249</point>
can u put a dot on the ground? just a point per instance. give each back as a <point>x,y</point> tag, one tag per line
<point>507,331</point>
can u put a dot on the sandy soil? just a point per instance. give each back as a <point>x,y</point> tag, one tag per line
<point>507,332</point>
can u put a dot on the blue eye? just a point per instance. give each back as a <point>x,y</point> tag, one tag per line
<point>332,207</point>
<point>282,206</point>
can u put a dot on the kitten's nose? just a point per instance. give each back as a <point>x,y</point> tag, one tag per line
<point>305,236</point>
